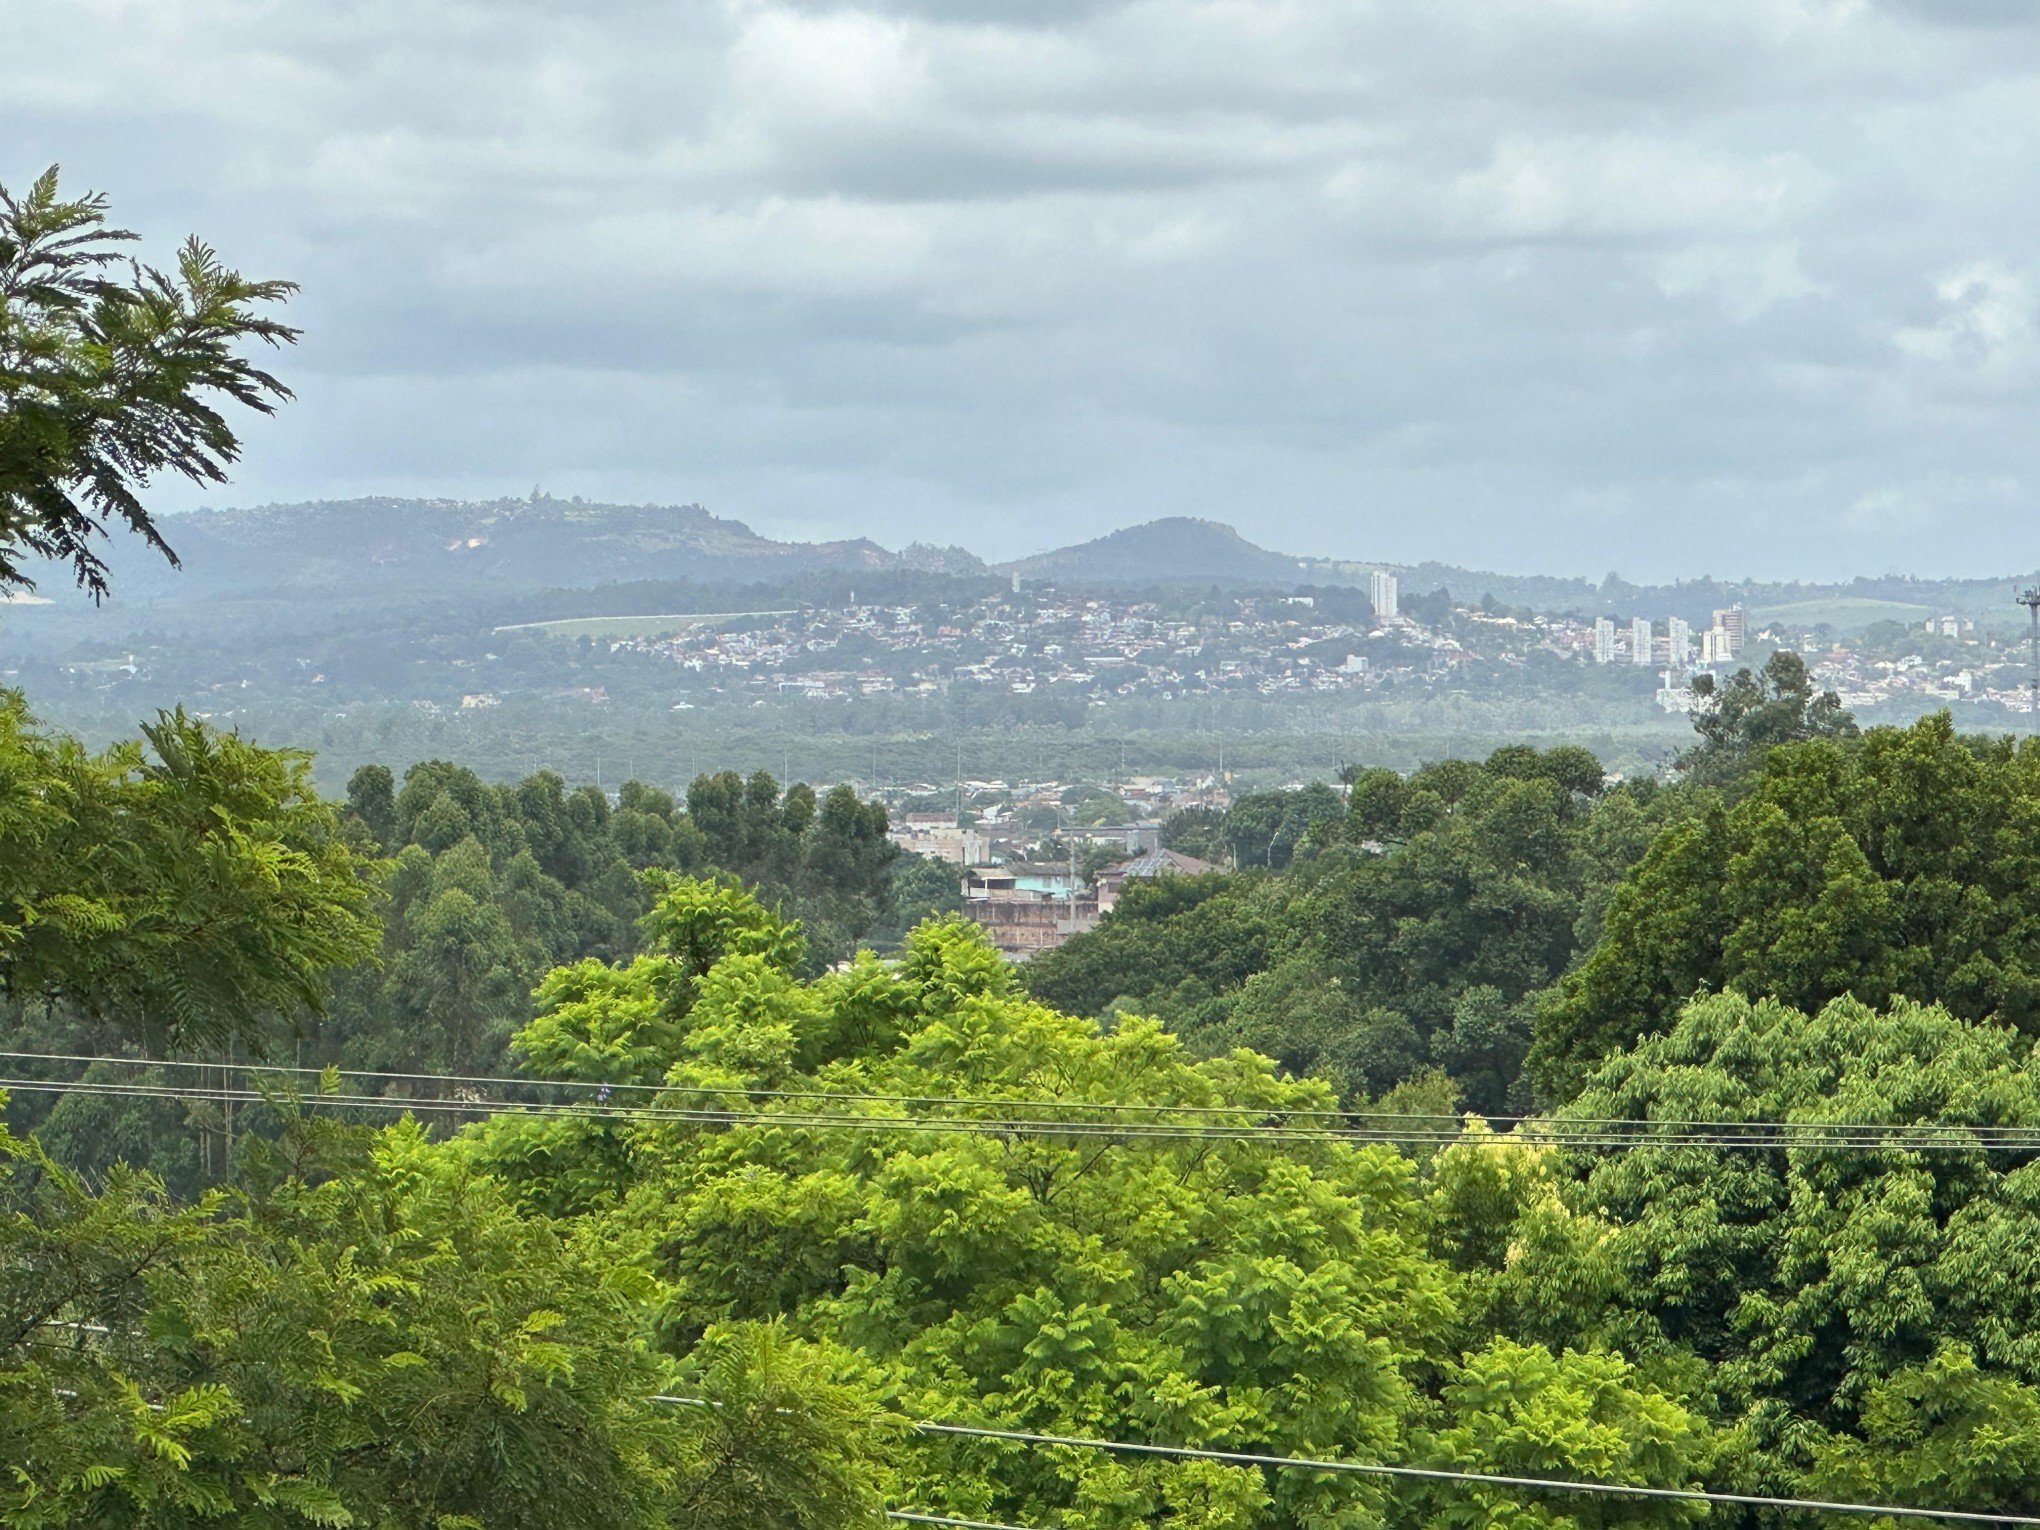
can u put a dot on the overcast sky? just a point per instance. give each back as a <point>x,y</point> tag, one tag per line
<point>1664,286</point>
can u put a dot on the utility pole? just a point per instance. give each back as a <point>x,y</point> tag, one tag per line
<point>2031,601</point>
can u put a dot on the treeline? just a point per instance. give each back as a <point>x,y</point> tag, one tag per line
<point>490,885</point>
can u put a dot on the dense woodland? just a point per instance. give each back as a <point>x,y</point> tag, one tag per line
<point>289,1310</point>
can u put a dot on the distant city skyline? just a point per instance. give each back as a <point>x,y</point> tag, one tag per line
<point>1746,289</point>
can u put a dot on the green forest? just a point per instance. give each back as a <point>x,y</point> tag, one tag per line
<point>604,1106</point>
<point>1499,1143</point>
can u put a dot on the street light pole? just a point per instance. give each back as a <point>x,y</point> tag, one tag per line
<point>2031,601</point>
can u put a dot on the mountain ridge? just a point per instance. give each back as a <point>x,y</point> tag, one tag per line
<point>447,545</point>
<point>392,548</point>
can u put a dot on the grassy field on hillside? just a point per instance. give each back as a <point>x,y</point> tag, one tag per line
<point>1843,613</point>
<point>632,626</point>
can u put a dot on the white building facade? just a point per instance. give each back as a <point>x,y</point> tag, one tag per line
<point>1382,594</point>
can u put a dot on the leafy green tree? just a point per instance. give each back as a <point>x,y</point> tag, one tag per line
<point>460,982</point>
<point>365,1335</point>
<point>1860,1312</point>
<point>372,798</point>
<point>1519,1410</point>
<point>1374,803</point>
<point>1893,864</point>
<point>1742,718</point>
<point>1270,828</point>
<point>1311,1023</point>
<point>783,1441</point>
<point>105,382</point>
<point>1247,1294</point>
<point>184,890</point>
<point>1945,1431</point>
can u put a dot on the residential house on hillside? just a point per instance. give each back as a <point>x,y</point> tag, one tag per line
<point>1152,863</point>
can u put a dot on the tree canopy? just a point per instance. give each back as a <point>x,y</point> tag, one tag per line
<point>1413,933</point>
<point>112,372</point>
<point>1895,864</point>
<point>186,888</point>
<point>1739,719</point>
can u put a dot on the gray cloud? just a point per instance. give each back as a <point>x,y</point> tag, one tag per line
<point>1742,287</point>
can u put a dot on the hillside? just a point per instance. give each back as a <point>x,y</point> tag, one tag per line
<point>368,547</point>
<point>1176,548</point>
<point>396,552</point>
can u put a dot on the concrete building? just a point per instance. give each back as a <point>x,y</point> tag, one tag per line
<point>939,835</point>
<point>1383,595</point>
<point>1604,641</point>
<point>1639,641</point>
<point>1734,625</point>
<point>1029,907</point>
<point>1679,640</point>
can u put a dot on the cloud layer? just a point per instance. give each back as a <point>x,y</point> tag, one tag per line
<point>1554,285</point>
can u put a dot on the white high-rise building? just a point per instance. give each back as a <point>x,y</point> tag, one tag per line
<point>1381,594</point>
<point>1679,635</point>
<point>1733,624</point>
<point>1639,640</point>
<point>1604,641</point>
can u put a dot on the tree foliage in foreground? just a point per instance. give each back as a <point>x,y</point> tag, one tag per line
<point>387,1329</point>
<point>1861,1320</point>
<point>368,1333</point>
<point>184,889</point>
<point>111,376</point>
<point>1249,1295</point>
<point>1896,864</point>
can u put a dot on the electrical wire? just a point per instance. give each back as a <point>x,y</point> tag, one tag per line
<point>622,1087</point>
<point>1497,1479</point>
<point>1448,1122</point>
<point>1431,1474</point>
<point>914,1517</point>
<point>1772,1135</point>
<point>1548,1132</point>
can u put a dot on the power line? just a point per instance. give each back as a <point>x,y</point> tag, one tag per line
<point>943,1519</point>
<point>1496,1479</point>
<point>1431,1474</point>
<point>775,1094</point>
<point>1371,1126</point>
<point>1545,1134</point>
<point>1550,1133</point>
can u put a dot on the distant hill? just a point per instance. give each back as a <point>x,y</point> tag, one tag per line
<point>1182,549</point>
<point>628,559</point>
<point>1174,549</point>
<point>370,547</point>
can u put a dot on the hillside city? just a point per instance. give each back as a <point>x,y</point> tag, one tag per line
<point>1106,647</point>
